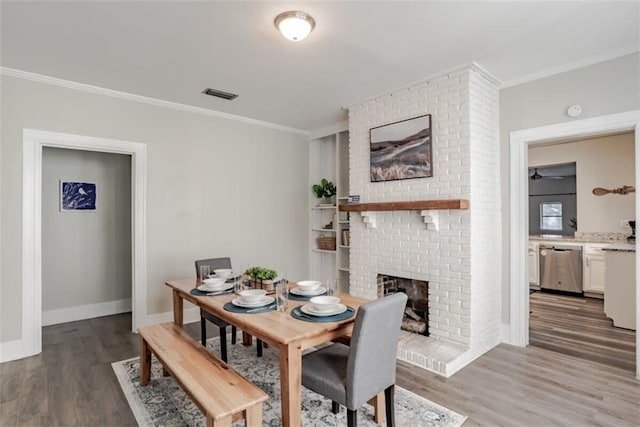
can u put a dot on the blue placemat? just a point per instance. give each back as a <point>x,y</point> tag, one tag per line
<point>295,297</point>
<point>235,309</point>
<point>198,293</point>
<point>297,314</point>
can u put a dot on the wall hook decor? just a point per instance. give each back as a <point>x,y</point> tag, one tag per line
<point>625,189</point>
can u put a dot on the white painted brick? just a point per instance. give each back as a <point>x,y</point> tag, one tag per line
<point>459,260</point>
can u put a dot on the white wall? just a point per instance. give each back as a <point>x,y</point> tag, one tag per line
<point>605,88</point>
<point>215,186</point>
<point>607,162</point>
<point>86,255</point>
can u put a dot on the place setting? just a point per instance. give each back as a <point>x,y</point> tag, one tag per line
<point>220,283</point>
<point>307,289</point>
<point>251,301</point>
<point>325,307</point>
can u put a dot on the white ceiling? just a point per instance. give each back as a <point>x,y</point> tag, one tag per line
<point>173,50</point>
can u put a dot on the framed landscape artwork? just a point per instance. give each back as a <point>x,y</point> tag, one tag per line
<point>401,150</point>
<point>77,196</point>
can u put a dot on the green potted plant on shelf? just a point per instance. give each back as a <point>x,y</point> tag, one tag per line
<point>325,191</point>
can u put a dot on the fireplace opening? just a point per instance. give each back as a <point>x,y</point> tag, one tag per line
<point>416,313</point>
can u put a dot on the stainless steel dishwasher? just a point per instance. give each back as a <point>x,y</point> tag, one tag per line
<point>561,267</point>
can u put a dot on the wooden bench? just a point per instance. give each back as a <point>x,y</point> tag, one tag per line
<point>222,394</point>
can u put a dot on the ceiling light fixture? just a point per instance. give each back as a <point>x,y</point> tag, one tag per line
<point>295,25</point>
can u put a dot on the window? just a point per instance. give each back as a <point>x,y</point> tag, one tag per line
<point>550,216</point>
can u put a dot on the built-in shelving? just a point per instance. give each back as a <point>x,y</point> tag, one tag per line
<point>329,158</point>
<point>324,251</point>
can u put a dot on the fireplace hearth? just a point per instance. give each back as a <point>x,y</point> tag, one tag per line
<point>416,313</point>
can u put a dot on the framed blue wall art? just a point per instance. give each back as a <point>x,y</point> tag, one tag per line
<point>77,196</point>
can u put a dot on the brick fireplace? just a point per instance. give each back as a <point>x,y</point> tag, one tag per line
<point>455,251</point>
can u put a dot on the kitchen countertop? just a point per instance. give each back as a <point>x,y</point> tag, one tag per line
<point>620,247</point>
<point>616,245</point>
<point>581,239</point>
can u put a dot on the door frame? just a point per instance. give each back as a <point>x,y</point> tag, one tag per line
<point>519,214</point>
<point>33,143</point>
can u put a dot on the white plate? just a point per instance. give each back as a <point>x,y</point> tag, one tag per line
<point>308,309</point>
<point>219,288</point>
<point>298,291</point>
<point>264,301</point>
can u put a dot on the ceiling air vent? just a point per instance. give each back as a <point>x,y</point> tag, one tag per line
<point>219,94</point>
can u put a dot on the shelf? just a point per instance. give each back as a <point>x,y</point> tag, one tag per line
<point>323,207</point>
<point>344,269</point>
<point>343,198</point>
<point>322,230</point>
<point>343,222</point>
<point>323,251</point>
<point>344,247</point>
<point>418,205</point>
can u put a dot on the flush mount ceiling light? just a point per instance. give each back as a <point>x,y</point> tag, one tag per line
<point>295,25</point>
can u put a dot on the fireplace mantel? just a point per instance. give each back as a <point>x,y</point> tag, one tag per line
<point>431,219</point>
<point>418,205</point>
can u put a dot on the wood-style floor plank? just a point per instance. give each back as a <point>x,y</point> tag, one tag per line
<point>72,383</point>
<point>577,326</point>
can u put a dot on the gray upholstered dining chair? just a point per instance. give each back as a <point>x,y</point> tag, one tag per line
<point>351,375</point>
<point>215,263</point>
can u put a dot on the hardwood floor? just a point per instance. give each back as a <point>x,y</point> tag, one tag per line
<point>577,326</point>
<point>72,384</point>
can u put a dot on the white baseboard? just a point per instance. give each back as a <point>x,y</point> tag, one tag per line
<point>190,315</point>
<point>11,350</point>
<point>71,314</point>
<point>505,333</point>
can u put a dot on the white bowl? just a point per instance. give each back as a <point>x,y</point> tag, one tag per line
<point>223,272</point>
<point>308,285</point>
<point>212,283</point>
<point>324,304</point>
<point>251,296</point>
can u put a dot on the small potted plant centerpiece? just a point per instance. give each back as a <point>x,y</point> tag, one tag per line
<point>262,278</point>
<point>325,191</point>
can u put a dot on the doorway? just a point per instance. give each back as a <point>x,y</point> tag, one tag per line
<point>567,259</point>
<point>519,217</point>
<point>86,234</point>
<point>33,143</point>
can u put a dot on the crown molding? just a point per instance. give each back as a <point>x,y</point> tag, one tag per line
<point>585,62</point>
<point>26,75</point>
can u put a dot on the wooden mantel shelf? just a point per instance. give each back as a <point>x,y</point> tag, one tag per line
<point>418,205</point>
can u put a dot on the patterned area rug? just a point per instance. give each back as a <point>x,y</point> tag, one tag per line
<point>163,403</point>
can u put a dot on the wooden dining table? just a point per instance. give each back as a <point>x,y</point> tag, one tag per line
<point>280,330</point>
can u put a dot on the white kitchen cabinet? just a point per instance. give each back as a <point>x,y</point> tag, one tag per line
<point>620,288</point>
<point>594,268</point>
<point>534,270</point>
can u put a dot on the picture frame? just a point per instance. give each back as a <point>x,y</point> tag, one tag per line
<point>78,196</point>
<point>401,150</point>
